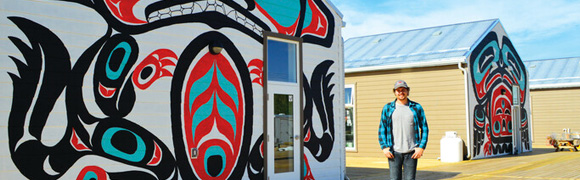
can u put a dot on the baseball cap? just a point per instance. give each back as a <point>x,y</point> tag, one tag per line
<point>400,83</point>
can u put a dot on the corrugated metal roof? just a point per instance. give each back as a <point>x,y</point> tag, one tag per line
<point>554,73</point>
<point>427,45</point>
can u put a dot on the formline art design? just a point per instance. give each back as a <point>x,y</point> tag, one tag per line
<point>210,101</point>
<point>495,69</point>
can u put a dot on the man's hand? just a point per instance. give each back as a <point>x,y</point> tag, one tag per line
<point>388,153</point>
<point>418,153</point>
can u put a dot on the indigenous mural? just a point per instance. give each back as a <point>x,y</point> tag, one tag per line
<point>149,96</point>
<point>495,68</point>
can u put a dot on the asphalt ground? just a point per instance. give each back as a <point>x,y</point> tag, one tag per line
<point>541,163</point>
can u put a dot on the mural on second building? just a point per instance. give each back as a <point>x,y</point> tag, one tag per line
<point>495,68</point>
<point>212,96</point>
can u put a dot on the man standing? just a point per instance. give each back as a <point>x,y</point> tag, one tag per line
<point>403,133</point>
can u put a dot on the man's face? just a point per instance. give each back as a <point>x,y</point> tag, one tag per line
<point>401,93</point>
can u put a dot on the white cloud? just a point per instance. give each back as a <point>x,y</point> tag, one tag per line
<point>524,20</point>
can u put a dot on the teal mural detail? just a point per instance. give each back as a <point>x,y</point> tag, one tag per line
<point>479,74</point>
<point>108,147</point>
<point>227,87</point>
<point>308,15</point>
<point>114,75</point>
<point>215,151</point>
<point>90,176</point>
<point>225,112</point>
<point>286,13</point>
<point>507,51</point>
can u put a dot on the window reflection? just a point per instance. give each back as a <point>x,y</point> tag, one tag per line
<point>349,121</point>
<point>349,128</point>
<point>283,133</point>
<point>281,61</point>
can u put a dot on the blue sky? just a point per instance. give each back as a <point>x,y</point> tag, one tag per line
<point>539,29</point>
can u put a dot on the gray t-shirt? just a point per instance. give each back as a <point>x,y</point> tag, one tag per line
<point>403,129</point>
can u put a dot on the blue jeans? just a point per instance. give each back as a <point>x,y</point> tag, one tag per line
<point>402,162</point>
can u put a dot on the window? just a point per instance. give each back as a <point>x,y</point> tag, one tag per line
<point>516,94</point>
<point>349,117</point>
<point>281,61</point>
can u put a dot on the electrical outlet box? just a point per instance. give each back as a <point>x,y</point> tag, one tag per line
<point>194,153</point>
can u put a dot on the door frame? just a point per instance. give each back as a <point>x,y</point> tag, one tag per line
<point>516,120</point>
<point>266,36</point>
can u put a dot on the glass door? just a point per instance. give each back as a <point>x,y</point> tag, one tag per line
<point>284,109</point>
<point>516,120</point>
<point>283,135</point>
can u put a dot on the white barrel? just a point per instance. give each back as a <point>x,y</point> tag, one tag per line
<point>451,147</point>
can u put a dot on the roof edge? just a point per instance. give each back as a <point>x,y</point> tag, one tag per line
<point>400,31</point>
<point>495,23</point>
<point>443,62</point>
<point>555,86</point>
<point>329,2</point>
<point>551,59</point>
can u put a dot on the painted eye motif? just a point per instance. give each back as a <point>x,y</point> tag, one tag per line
<point>147,72</point>
<point>159,63</point>
<point>496,127</point>
<point>482,64</point>
<point>498,112</point>
<point>124,144</point>
<point>114,61</point>
<point>117,60</point>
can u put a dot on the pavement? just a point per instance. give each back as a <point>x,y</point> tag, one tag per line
<point>541,163</point>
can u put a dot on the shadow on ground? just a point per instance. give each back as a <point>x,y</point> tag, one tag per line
<point>356,173</point>
<point>535,151</point>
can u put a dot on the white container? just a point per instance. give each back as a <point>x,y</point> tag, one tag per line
<point>451,147</point>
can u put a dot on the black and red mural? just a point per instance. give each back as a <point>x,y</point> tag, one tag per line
<point>495,68</point>
<point>209,100</point>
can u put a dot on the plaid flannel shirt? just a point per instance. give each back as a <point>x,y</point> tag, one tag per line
<point>386,125</point>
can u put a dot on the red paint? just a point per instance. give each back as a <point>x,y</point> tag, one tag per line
<point>318,25</point>
<point>160,60</point>
<point>106,92</point>
<point>256,68</point>
<point>193,137</point>
<point>100,172</point>
<point>77,143</point>
<point>156,156</point>
<point>123,10</point>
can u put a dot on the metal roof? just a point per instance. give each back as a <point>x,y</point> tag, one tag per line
<point>414,48</point>
<point>554,73</point>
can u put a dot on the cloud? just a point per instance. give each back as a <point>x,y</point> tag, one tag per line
<point>523,20</point>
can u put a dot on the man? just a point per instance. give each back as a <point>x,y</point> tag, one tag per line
<point>403,133</point>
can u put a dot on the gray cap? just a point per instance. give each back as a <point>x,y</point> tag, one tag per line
<point>400,83</point>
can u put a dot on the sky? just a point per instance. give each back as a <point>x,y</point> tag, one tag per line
<point>539,29</point>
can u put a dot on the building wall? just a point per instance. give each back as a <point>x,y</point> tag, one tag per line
<point>93,89</point>
<point>495,67</point>
<point>552,111</point>
<point>440,90</point>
